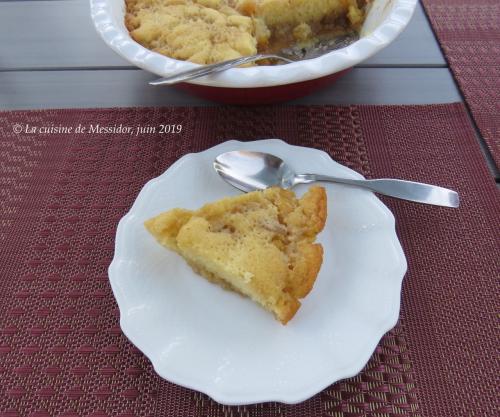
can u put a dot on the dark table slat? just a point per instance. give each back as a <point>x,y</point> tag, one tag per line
<point>120,88</point>
<point>61,35</point>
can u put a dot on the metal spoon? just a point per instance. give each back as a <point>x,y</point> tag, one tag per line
<point>287,55</point>
<point>250,171</point>
<point>213,68</point>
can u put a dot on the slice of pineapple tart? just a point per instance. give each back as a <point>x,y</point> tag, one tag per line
<point>259,244</point>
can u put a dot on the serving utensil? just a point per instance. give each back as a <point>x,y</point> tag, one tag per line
<point>287,55</point>
<point>250,171</point>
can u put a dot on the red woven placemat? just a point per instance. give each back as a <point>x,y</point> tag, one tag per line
<point>61,350</point>
<point>469,34</point>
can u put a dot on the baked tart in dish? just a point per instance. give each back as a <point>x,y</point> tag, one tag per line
<point>210,31</point>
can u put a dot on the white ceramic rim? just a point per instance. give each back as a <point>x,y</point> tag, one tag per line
<point>252,398</point>
<point>259,76</point>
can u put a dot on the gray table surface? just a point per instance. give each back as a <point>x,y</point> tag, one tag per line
<point>51,57</point>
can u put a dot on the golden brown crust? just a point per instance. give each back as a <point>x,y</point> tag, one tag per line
<point>208,31</point>
<point>316,207</point>
<point>166,226</point>
<point>200,31</point>
<point>288,310</point>
<point>310,215</point>
<point>259,244</point>
<point>307,266</point>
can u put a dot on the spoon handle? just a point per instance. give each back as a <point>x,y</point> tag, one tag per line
<point>204,70</point>
<point>405,190</point>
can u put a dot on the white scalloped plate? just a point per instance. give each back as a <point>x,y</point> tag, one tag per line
<point>385,21</point>
<point>202,337</point>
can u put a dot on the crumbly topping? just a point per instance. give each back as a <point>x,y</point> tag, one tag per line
<point>209,31</point>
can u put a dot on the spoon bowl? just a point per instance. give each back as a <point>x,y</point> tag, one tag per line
<point>250,171</point>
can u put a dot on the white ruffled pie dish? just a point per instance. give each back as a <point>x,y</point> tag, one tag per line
<point>203,337</point>
<point>385,21</point>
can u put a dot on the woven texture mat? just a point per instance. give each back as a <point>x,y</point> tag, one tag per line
<point>469,34</point>
<point>61,349</point>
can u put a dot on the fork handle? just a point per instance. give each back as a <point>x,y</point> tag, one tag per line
<point>405,190</point>
<point>213,68</point>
